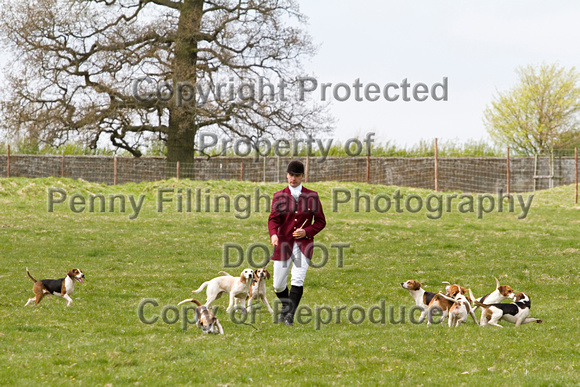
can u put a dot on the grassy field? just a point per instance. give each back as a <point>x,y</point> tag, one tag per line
<point>100,340</point>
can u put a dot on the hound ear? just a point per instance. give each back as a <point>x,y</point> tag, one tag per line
<point>267,273</point>
<point>242,278</point>
<point>71,273</point>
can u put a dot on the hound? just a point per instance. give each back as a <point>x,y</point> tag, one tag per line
<point>460,309</point>
<point>498,295</point>
<point>62,287</point>
<point>237,288</point>
<point>422,298</point>
<point>452,290</point>
<point>205,319</point>
<point>516,312</point>
<point>258,289</point>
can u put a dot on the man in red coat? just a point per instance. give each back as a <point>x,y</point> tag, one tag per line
<point>295,218</point>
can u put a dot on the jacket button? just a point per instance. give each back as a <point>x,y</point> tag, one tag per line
<point>296,220</point>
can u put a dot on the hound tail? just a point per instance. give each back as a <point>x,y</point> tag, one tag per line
<point>203,285</point>
<point>471,295</point>
<point>477,303</point>
<point>224,273</point>
<point>447,297</point>
<point>33,280</point>
<point>190,300</point>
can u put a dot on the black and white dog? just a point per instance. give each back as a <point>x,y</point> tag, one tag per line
<point>516,312</point>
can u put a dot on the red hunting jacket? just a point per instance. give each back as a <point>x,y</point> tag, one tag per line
<point>288,215</point>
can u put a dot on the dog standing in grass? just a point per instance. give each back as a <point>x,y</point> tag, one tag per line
<point>62,287</point>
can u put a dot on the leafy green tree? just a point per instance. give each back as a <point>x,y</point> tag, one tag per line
<point>538,113</point>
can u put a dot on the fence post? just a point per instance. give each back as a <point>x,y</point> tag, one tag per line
<point>508,170</point>
<point>241,171</point>
<point>306,169</point>
<point>368,164</point>
<point>177,172</point>
<point>114,170</point>
<point>576,175</point>
<point>8,162</point>
<point>62,167</point>
<point>436,167</point>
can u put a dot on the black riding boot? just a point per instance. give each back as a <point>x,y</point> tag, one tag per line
<point>286,307</point>
<point>295,296</point>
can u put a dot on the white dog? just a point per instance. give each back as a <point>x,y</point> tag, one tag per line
<point>258,289</point>
<point>460,309</point>
<point>238,288</point>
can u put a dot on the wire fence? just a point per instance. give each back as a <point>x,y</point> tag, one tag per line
<point>466,174</point>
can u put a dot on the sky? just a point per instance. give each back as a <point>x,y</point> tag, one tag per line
<point>476,45</point>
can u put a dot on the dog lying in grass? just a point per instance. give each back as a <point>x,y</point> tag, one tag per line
<point>205,319</point>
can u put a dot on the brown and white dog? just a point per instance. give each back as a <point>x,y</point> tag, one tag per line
<point>452,290</point>
<point>498,295</point>
<point>455,290</point>
<point>205,318</point>
<point>516,312</point>
<point>460,309</point>
<point>237,288</point>
<point>422,298</point>
<point>258,289</point>
<point>62,287</point>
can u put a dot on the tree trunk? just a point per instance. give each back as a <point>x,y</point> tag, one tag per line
<point>182,118</point>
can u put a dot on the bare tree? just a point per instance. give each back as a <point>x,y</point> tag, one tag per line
<point>136,70</point>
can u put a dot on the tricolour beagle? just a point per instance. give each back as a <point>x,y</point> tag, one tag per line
<point>62,287</point>
<point>498,295</point>
<point>205,318</point>
<point>421,297</point>
<point>516,312</point>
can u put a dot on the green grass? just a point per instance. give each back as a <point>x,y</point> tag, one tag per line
<point>100,340</point>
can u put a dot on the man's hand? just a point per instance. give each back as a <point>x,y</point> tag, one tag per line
<point>299,233</point>
<point>274,240</point>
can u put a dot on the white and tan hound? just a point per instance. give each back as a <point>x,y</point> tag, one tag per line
<point>258,289</point>
<point>237,288</point>
<point>460,309</point>
<point>205,319</point>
